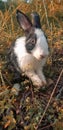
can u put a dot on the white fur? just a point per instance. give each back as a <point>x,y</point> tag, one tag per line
<point>41,45</point>
<point>32,64</point>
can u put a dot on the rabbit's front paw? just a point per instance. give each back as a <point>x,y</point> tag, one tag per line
<point>34,78</point>
<point>42,77</point>
<point>37,82</point>
<point>44,82</point>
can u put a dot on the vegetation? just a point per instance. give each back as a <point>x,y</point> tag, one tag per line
<point>30,108</point>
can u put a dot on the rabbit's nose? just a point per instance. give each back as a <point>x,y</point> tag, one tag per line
<point>42,56</point>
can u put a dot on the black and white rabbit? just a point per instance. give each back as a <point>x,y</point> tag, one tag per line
<point>29,53</point>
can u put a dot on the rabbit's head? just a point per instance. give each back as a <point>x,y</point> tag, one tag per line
<point>36,43</point>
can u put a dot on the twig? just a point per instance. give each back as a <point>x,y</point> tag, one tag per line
<point>52,124</point>
<point>3,83</point>
<point>46,13</point>
<point>32,94</point>
<point>5,92</point>
<point>60,91</point>
<point>9,83</point>
<point>50,99</point>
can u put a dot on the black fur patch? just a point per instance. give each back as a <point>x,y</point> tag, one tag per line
<point>36,20</point>
<point>30,41</point>
<point>12,58</point>
<point>12,65</point>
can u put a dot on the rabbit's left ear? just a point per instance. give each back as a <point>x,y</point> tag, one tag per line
<point>23,21</point>
<point>36,20</point>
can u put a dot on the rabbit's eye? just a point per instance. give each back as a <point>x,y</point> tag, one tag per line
<point>30,46</point>
<point>30,43</point>
<point>33,41</point>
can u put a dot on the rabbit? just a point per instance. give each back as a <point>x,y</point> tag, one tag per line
<point>29,53</point>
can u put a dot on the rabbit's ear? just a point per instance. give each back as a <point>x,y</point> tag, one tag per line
<point>23,21</point>
<point>36,20</point>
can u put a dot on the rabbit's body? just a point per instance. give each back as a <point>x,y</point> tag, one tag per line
<point>31,51</point>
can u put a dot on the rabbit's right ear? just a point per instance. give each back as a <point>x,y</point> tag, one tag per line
<point>23,21</point>
<point>36,20</point>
